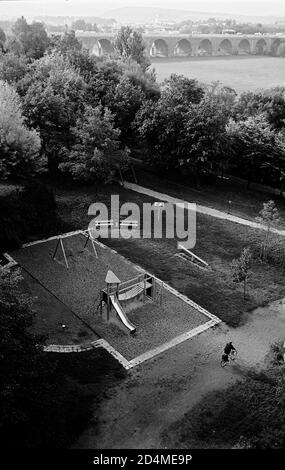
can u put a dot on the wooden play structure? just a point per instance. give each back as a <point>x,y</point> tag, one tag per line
<point>119,297</point>
<point>188,255</point>
<point>60,246</point>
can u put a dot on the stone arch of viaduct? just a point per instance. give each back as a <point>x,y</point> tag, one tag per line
<point>186,45</point>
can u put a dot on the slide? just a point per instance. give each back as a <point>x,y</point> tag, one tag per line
<point>123,317</point>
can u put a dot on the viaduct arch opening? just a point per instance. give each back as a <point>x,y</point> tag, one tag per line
<point>276,46</point>
<point>244,47</point>
<point>260,47</point>
<point>225,47</point>
<point>103,47</point>
<point>183,48</point>
<point>159,48</point>
<point>205,48</point>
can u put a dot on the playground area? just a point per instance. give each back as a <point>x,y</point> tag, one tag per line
<point>135,313</point>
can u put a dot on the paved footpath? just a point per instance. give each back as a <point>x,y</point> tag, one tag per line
<point>157,394</point>
<point>201,209</point>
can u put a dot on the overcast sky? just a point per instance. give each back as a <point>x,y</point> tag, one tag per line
<point>98,7</point>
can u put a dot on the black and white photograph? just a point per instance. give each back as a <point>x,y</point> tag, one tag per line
<point>142,229</point>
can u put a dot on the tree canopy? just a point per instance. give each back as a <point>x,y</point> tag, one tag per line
<point>19,145</point>
<point>130,45</point>
<point>180,124</point>
<point>32,39</point>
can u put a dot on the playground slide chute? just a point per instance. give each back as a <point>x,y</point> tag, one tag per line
<point>123,317</point>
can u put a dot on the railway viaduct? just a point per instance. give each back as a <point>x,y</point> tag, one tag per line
<point>184,45</point>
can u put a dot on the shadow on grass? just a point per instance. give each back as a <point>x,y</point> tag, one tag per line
<point>248,414</point>
<point>63,408</point>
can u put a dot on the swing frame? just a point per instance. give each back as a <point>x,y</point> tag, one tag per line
<point>60,245</point>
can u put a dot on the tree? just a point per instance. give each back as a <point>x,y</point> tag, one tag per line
<point>54,95</point>
<point>66,44</point>
<point>79,24</point>
<point>14,46</point>
<point>270,218</point>
<point>254,147</point>
<point>160,123</point>
<point>100,75</point>
<point>270,103</point>
<point>2,39</point>
<point>146,80</point>
<point>32,37</point>
<point>19,145</point>
<point>225,96</point>
<point>96,151</point>
<point>13,67</point>
<point>203,147</point>
<point>181,91</point>
<point>241,268</point>
<point>159,129</point>
<point>130,45</point>
<point>124,104</point>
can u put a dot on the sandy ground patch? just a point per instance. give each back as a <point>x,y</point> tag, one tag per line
<point>76,292</point>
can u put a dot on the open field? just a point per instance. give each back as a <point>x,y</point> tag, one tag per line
<point>243,73</point>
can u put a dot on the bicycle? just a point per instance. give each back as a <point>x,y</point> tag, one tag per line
<point>227,357</point>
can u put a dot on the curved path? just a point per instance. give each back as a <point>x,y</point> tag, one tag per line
<point>201,209</point>
<point>156,394</point>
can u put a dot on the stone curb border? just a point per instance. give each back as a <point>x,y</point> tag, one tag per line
<point>171,344</point>
<point>11,262</point>
<point>102,343</point>
<point>77,348</point>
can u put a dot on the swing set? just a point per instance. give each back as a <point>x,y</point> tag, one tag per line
<point>60,246</point>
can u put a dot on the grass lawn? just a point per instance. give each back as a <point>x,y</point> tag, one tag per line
<point>245,203</point>
<point>218,242</point>
<point>94,369</point>
<point>96,374</point>
<point>243,73</point>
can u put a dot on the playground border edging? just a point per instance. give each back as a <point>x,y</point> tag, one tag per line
<point>214,320</point>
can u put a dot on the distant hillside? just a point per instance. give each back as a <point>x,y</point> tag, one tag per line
<point>61,20</point>
<point>148,14</point>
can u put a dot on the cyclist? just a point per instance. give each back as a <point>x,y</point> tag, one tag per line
<point>229,348</point>
<point>225,359</point>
